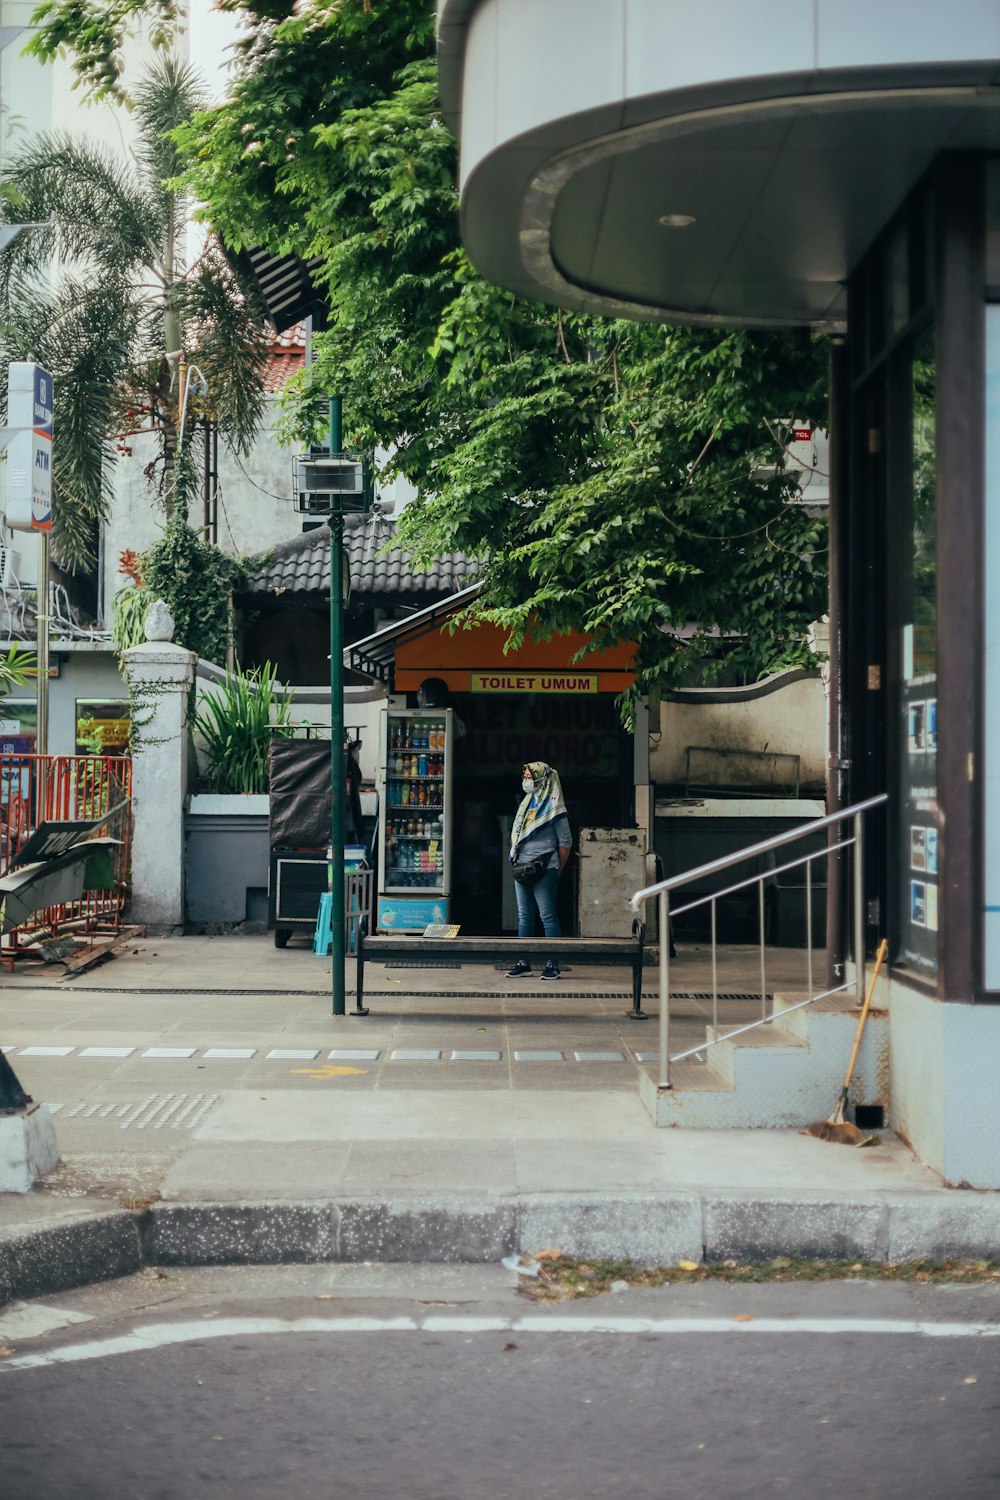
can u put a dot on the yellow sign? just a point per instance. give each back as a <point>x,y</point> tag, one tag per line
<point>534,682</point>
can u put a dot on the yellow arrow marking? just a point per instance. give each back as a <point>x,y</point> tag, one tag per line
<point>329,1071</point>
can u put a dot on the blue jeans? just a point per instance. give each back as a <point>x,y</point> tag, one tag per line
<point>538,900</point>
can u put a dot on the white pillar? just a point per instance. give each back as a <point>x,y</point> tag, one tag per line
<point>159,676</point>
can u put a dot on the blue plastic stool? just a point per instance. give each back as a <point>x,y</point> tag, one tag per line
<point>323,936</point>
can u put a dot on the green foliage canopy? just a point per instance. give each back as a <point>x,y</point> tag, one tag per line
<point>623,479</point>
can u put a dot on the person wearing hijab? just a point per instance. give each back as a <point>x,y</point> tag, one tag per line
<point>540,832</point>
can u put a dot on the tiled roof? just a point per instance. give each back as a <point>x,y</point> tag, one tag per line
<point>302,565</point>
<point>288,356</point>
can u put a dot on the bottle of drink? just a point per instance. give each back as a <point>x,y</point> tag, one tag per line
<point>422,766</point>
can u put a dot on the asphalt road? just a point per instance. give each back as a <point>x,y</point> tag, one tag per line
<point>482,1395</point>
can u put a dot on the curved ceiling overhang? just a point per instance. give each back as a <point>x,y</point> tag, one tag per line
<point>806,285</point>
<point>783,135</point>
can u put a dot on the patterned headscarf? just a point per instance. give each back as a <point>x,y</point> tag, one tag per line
<point>540,805</point>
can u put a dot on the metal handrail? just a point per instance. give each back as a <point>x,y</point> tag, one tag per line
<point>741,885</point>
<point>663,888</point>
<point>838,989</point>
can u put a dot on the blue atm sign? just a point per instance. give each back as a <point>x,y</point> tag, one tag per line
<point>41,430</point>
<point>29,447</point>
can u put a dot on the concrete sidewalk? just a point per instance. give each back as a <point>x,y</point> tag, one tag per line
<point>209,1108</point>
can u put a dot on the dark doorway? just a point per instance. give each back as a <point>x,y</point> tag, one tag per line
<point>581,737</point>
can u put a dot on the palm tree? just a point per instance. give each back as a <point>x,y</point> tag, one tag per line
<point>126,310</point>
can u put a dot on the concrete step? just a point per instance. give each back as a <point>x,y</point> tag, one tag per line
<point>726,1052</point>
<point>780,1076</point>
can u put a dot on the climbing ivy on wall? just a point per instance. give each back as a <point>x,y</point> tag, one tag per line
<point>194,578</point>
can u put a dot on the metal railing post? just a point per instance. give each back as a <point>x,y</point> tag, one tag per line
<point>715,969</point>
<point>859,910</point>
<point>664,990</point>
<point>809,925</point>
<point>763,964</point>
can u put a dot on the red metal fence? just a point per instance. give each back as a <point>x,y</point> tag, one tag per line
<point>59,788</point>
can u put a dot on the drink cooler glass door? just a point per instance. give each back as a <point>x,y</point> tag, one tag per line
<point>415,836</point>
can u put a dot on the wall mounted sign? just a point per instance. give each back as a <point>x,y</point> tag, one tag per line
<point>533,682</point>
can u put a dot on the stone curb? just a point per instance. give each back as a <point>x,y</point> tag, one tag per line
<point>38,1260</point>
<point>647,1228</point>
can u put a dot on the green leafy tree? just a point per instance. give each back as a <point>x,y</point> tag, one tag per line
<point>623,479</point>
<point>126,298</point>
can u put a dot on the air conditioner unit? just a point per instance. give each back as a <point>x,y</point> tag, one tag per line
<point>326,482</point>
<point>10,566</point>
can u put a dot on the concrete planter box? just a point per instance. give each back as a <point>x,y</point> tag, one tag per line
<point>226,860</point>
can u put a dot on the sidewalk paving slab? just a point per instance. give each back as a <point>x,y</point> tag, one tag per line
<point>339,1158</point>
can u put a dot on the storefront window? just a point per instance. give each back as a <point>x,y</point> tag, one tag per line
<point>918,856</point>
<point>18,726</point>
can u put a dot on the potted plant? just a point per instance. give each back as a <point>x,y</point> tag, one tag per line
<point>227,847</point>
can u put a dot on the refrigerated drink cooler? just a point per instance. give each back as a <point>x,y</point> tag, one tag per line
<point>415,835</point>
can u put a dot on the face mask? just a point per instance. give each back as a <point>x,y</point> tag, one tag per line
<point>527,784</point>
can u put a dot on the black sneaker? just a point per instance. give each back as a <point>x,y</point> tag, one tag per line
<point>551,971</point>
<point>519,968</point>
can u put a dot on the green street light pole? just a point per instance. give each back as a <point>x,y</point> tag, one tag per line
<point>337,769</point>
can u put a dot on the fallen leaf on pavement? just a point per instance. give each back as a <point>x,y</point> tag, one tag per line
<point>970,1380</point>
<point>688,1265</point>
<point>5,1349</point>
<point>781,1263</point>
<point>547,1255</point>
<point>508,1346</point>
<point>743,1318</point>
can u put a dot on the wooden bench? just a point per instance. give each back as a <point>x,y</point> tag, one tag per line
<point>386,948</point>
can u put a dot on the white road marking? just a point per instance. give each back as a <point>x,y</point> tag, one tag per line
<point>163,1335</point>
<point>27,1320</point>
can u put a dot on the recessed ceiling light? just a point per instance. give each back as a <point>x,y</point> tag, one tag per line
<point>677,221</point>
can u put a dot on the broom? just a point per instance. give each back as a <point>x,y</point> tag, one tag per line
<point>837,1127</point>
